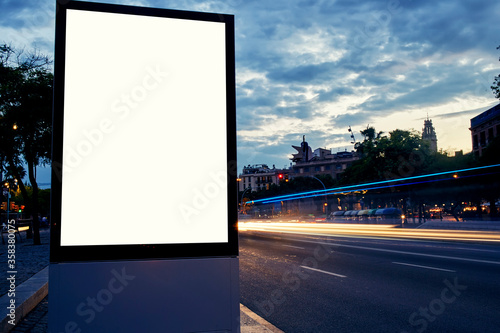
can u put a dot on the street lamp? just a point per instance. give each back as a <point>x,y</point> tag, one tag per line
<point>1,173</point>
<point>325,205</point>
<point>243,195</point>
<point>6,192</point>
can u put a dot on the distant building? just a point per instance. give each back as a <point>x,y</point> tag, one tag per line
<point>484,128</point>
<point>305,163</point>
<point>304,152</point>
<point>319,162</point>
<point>260,176</point>
<point>429,135</point>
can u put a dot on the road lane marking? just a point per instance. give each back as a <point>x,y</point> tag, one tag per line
<point>427,267</point>
<point>464,248</point>
<point>404,252</point>
<point>295,247</point>
<point>319,270</point>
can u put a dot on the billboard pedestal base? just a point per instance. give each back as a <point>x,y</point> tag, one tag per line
<point>174,295</point>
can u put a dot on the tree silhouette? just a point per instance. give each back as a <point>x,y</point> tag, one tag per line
<point>25,119</point>
<point>401,154</point>
<point>496,84</point>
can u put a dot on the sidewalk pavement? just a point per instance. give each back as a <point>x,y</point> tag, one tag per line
<point>32,299</point>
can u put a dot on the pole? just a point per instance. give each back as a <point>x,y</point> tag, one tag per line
<point>1,181</point>
<point>324,187</point>
<point>8,203</point>
<point>243,194</point>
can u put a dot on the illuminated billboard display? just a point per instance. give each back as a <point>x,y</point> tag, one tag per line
<point>144,133</point>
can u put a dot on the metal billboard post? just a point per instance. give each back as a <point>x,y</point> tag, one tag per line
<point>137,89</point>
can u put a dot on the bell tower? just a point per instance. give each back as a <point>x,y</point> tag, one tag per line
<point>429,134</point>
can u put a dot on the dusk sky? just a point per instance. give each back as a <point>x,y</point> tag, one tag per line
<point>314,68</point>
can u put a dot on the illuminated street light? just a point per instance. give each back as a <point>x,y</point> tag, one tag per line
<point>243,194</point>
<point>7,187</point>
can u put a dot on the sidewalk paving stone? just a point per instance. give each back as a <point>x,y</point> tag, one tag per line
<point>30,259</point>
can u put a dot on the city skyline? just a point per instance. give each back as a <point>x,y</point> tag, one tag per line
<point>315,68</point>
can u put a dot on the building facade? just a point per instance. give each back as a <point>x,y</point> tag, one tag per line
<point>260,176</point>
<point>484,128</point>
<point>320,161</point>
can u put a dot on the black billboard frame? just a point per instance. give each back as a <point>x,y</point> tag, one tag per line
<point>82,253</point>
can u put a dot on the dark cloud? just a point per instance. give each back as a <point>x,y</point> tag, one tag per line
<point>350,119</point>
<point>304,73</point>
<point>447,26</point>
<point>334,94</point>
<point>442,84</point>
<point>15,14</point>
<point>467,113</point>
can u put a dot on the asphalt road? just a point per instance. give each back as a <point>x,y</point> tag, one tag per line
<point>318,283</point>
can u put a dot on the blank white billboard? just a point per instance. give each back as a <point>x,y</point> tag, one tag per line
<point>144,144</point>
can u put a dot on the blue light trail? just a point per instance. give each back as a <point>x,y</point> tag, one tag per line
<point>360,189</point>
<point>351,188</point>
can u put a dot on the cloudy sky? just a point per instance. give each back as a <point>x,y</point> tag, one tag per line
<point>316,67</point>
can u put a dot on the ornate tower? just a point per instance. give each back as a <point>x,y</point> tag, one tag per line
<point>429,134</point>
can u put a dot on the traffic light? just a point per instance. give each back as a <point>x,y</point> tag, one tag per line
<point>280,176</point>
